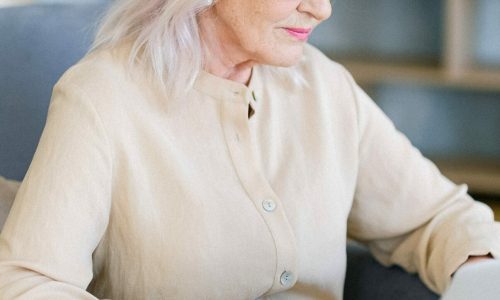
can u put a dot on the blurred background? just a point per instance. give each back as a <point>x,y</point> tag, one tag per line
<point>433,66</point>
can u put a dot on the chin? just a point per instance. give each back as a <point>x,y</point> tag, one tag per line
<point>287,57</point>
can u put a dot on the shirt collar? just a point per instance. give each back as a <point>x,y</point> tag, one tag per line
<point>224,89</point>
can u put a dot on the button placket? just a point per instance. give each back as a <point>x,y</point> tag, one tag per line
<point>266,202</point>
<point>252,103</point>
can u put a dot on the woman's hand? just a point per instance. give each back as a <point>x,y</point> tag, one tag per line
<point>477,258</point>
<point>473,259</point>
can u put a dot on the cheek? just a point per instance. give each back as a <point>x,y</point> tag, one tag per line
<point>259,20</point>
<point>281,10</point>
<point>258,30</point>
<point>257,35</point>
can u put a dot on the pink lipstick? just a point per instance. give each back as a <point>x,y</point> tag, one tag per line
<point>299,33</point>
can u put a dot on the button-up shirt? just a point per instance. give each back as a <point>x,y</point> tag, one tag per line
<point>231,192</point>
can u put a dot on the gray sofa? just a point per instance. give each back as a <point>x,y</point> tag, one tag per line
<point>38,43</point>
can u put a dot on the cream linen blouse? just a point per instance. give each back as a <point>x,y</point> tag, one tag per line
<point>134,196</point>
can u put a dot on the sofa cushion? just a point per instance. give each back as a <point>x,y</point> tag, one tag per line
<point>367,279</point>
<point>38,43</point>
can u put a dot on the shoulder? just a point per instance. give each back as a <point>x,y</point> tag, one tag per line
<point>316,62</point>
<point>322,74</point>
<point>98,72</point>
<point>104,79</point>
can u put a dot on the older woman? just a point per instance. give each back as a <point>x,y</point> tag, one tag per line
<point>204,151</point>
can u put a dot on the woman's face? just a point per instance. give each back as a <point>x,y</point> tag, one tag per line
<point>269,32</point>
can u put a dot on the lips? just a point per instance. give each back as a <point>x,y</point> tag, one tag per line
<point>299,33</point>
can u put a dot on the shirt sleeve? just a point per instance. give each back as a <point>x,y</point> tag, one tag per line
<point>62,208</point>
<point>406,211</point>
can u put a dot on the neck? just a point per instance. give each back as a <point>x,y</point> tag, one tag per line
<point>222,59</point>
<point>240,72</point>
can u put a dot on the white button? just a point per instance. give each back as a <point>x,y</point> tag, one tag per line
<point>286,278</point>
<point>269,205</point>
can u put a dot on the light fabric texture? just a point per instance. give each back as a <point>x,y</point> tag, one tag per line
<point>134,196</point>
<point>8,190</point>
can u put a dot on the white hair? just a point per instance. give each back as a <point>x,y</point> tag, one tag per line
<point>164,35</point>
<point>165,40</point>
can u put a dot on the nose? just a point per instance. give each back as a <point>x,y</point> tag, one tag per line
<point>318,9</point>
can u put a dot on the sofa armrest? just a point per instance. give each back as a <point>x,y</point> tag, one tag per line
<point>367,279</point>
